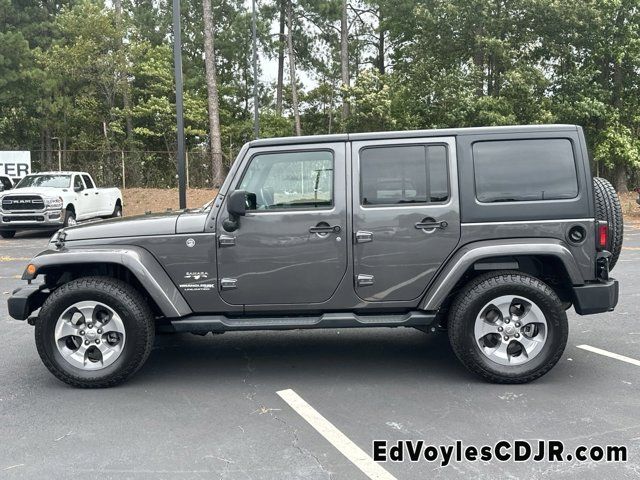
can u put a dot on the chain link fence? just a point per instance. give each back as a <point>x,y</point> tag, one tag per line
<point>129,169</point>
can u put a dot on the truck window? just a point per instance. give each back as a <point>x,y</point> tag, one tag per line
<point>88,182</point>
<point>411,174</point>
<point>291,180</point>
<point>524,170</point>
<point>77,183</point>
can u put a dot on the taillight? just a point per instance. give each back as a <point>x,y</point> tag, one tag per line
<point>603,235</point>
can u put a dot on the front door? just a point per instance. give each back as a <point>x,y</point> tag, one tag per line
<point>406,218</point>
<point>290,247</point>
<point>84,201</point>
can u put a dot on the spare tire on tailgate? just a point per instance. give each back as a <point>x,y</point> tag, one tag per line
<point>608,209</point>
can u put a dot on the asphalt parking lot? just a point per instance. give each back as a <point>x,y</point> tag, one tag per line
<point>208,407</point>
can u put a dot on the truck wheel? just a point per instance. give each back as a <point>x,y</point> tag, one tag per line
<point>69,218</point>
<point>608,209</point>
<point>508,327</point>
<point>117,211</point>
<point>7,233</point>
<point>94,332</point>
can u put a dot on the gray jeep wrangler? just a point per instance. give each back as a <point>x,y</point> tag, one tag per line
<point>489,233</point>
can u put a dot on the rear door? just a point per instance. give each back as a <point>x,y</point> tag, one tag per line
<point>406,218</point>
<point>289,248</point>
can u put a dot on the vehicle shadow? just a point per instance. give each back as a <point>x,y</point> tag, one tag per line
<point>343,356</point>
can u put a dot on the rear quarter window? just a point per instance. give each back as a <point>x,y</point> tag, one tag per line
<point>524,170</point>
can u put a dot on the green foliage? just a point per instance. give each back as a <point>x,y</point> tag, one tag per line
<point>370,100</point>
<point>75,70</point>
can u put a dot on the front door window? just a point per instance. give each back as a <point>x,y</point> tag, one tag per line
<point>292,180</point>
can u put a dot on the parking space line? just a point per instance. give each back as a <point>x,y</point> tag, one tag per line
<point>335,437</point>
<point>599,351</point>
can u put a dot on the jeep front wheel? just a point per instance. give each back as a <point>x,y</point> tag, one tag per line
<point>508,327</point>
<point>94,332</point>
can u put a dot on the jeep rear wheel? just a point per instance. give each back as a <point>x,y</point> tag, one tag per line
<point>508,327</point>
<point>94,332</point>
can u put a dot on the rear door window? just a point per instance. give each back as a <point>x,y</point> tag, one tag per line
<point>87,181</point>
<point>411,174</point>
<point>524,170</point>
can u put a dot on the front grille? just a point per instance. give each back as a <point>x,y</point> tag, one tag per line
<point>15,203</point>
<point>22,218</point>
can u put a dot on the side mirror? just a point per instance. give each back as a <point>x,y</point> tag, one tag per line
<point>78,189</point>
<point>237,203</point>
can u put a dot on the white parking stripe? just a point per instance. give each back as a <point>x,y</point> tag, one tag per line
<point>599,351</point>
<point>334,436</point>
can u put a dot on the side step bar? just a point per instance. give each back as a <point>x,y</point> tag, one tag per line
<point>222,323</point>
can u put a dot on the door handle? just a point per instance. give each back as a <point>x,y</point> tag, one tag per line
<point>325,229</point>
<point>364,237</point>
<point>86,194</point>
<point>428,225</point>
<point>97,193</point>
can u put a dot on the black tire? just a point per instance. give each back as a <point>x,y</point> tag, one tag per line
<point>117,211</point>
<point>484,289</point>
<point>136,316</point>
<point>69,215</point>
<point>7,233</point>
<point>608,208</point>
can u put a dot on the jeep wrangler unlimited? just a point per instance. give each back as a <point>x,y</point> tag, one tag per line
<point>489,233</point>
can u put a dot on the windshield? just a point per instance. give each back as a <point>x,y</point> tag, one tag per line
<point>51,181</point>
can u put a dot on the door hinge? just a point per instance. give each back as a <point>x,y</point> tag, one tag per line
<point>364,237</point>
<point>228,283</point>
<point>363,280</point>
<point>226,241</point>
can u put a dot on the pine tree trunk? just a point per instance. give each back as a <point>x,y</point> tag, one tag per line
<point>212,95</point>
<point>381,46</point>
<point>344,56</point>
<point>126,102</point>
<point>621,180</point>
<point>292,68</point>
<point>281,43</point>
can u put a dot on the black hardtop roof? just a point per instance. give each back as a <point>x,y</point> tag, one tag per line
<point>444,132</point>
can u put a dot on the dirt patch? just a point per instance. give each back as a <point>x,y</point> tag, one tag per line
<point>140,200</point>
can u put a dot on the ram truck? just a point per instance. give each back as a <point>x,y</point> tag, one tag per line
<point>51,200</point>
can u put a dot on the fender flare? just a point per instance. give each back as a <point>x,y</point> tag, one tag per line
<point>137,260</point>
<point>469,254</point>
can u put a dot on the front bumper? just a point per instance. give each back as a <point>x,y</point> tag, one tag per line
<point>598,297</point>
<point>46,219</point>
<point>25,300</point>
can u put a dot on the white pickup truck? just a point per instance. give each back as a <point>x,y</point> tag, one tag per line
<point>51,200</point>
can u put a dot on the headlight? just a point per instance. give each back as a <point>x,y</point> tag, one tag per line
<point>54,203</point>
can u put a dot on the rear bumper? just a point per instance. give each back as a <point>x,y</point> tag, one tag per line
<point>597,297</point>
<point>25,300</point>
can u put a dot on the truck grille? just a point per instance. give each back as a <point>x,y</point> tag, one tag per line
<point>23,218</point>
<point>15,203</point>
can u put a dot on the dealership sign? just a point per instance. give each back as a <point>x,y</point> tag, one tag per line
<point>15,164</point>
